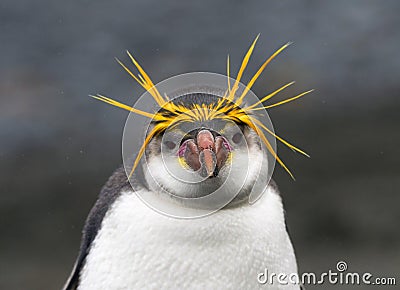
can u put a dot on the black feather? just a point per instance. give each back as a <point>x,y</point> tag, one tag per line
<point>108,194</point>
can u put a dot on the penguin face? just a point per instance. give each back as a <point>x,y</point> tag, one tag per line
<point>193,159</point>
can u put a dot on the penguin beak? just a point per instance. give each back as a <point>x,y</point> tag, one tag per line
<point>205,154</point>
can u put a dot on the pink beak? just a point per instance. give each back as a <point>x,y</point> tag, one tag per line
<point>206,154</point>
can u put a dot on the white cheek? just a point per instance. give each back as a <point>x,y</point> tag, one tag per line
<point>239,172</point>
<point>169,174</point>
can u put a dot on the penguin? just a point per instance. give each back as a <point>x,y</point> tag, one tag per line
<point>128,245</point>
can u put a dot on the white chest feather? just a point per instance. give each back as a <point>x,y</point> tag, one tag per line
<point>138,248</point>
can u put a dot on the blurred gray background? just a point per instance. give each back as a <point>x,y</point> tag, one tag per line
<point>58,146</point>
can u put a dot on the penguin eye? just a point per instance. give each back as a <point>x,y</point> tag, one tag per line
<point>237,138</point>
<point>170,145</point>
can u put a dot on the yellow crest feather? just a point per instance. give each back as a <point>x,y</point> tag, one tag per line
<point>226,108</point>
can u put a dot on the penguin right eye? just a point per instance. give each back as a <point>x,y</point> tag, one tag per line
<point>170,145</point>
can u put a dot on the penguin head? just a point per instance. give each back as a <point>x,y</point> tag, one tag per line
<point>197,156</point>
<point>199,142</point>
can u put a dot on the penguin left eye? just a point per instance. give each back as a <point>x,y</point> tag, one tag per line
<point>237,138</point>
<point>170,145</point>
